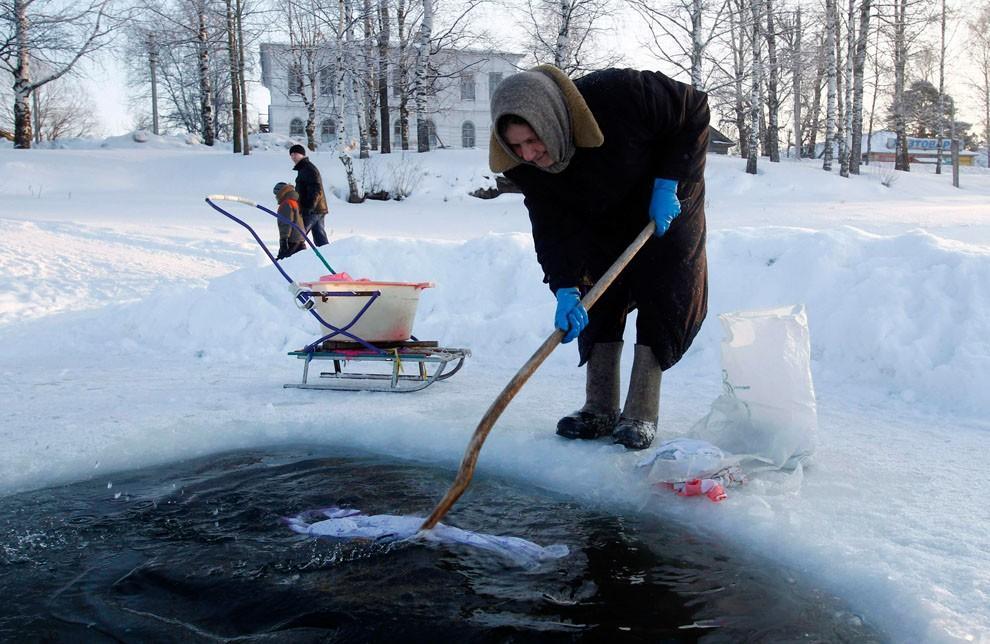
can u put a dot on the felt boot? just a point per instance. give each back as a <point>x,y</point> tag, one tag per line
<point>637,427</point>
<point>601,408</point>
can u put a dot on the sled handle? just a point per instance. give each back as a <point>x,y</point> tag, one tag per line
<point>243,200</point>
<point>473,450</point>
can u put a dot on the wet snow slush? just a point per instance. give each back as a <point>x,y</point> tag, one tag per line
<point>198,551</point>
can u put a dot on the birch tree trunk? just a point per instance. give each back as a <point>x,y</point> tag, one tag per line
<point>697,44</point>
<point>235,83</point>
<point>353,193</point>
<point>402,84</point>
<point>562,44</point>
<point>153,65</point>
<point>876,92</point>
<point>311,74</point>
<point>901,159</point>
<point>370,75</point>
<point>796,64</point>
<point>845,93</point>
<point>816,104</point>
<point>245,131</point>
<point>754,107</point>
<point>941,97</point>
<point>859,65</point>
<point>773,99</point>
<point>422,77</point>
<point>385,133</point>
<point>737,36</point>
<point>205,82</point>
<point>22,80</point>
<point>830,69</point>
<point>355,84</point>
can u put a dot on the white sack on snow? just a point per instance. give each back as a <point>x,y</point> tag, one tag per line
<point>768,410</point>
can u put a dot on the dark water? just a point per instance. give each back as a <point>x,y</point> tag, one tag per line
<point>196,552</point>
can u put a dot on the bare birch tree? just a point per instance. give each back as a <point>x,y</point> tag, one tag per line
<point>384,34</point>
<point>859,67</point>
<point>370,75</point>
<point>901,161</point>
<point>832,73</point>
<point>979,38</point>
<point>773,82</point>
<point>844,90</point>
<point>682,33</point>
<point>566,33</point>
<point>797,68</point>
<point>754,96</point>
<point>356,86</point>
<point>235,83</point>
<point>941,93</point>
<point>242,76</point>
<point>56,34</point>
<point>311,51</point>
<point>422,80</point>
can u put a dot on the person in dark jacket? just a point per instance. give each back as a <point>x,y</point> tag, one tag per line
<point>312,199</point>
<point>596,159</point>
<point>290,238</point>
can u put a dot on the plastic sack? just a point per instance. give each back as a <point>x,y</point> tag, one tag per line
<point>683,459</point>
<point>768,411</point>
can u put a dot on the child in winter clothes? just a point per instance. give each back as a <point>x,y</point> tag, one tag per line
<point>290,239</point>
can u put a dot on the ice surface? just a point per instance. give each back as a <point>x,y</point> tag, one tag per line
<point>137,327</point>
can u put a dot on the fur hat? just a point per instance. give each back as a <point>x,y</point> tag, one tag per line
<point>297,149</point>
<point>278,187</point>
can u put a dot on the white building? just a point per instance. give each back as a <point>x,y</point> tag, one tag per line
<point>460,115</point>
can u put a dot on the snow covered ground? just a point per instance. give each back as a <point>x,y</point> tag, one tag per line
<point>137,327</point>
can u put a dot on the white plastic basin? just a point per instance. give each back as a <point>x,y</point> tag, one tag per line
<point>389,318</point>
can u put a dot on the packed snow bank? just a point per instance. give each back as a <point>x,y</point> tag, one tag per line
<point>906,315</point>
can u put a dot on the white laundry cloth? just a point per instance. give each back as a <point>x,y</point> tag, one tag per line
<point>341,523</point>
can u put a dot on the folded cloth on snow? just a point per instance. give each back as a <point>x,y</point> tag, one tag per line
<point>343,523</point>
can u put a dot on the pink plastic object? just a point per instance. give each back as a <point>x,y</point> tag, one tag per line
<point>697,487</point>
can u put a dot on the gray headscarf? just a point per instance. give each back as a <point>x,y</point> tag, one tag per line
<point>535,97</point>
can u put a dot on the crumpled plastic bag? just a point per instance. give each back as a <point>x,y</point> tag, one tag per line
<point>768,411</point>
<point>692,467</point>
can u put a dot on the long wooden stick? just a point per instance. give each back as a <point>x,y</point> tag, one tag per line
<point>470,459</point>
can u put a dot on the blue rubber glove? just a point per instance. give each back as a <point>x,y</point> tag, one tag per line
<point>570,316</point>
<point>664,205</point>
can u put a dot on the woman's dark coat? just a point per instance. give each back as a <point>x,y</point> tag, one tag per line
<point>586,215</point>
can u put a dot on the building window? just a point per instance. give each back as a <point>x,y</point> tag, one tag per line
<point>396,81</point>
<point>296,129</point>
<point>295,80</point>
<point>467,87</point>
<point>397,130</point>
<point>328,131</point>
<point>328,83</point>
<point>431,133</point>
<point>467,135</point>
<point>494,78</point>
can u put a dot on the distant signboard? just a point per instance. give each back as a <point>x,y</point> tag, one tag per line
<point>920,144</point>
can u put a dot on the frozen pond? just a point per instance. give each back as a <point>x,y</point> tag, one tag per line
<point>197,551</point>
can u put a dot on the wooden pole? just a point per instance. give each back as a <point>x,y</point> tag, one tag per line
<point>955,162</point>
<point>470,459</point>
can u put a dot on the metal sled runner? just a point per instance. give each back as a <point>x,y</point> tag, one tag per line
<point>367,322</point>
<point>432,363</point>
